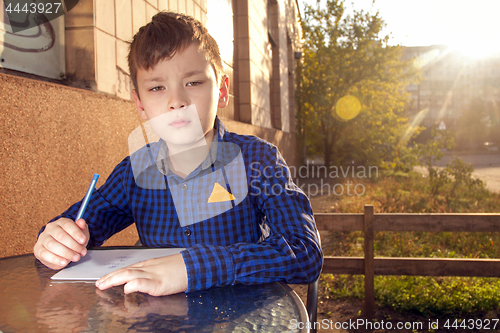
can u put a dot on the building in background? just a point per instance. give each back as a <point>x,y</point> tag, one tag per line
<point>450,82</point>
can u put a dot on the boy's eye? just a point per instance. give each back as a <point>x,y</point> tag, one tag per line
<point>157,88</point>
<point>193,84</point>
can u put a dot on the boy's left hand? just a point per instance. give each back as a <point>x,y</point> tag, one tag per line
<point>156,277</point>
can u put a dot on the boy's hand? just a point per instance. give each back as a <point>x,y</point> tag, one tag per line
<point>156,277</point>
<point>61,242</point>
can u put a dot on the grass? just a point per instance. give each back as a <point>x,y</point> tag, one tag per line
<point>412,193</point>
<point>427,296</point>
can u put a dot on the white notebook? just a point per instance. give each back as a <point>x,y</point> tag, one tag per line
<point>98,263</point>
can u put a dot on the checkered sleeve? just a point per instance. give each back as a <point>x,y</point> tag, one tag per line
<point>291,252</point>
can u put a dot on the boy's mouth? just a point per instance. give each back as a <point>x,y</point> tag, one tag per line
<point>180,123</point>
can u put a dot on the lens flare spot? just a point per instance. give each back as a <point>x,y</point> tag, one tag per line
<point>348,107</point>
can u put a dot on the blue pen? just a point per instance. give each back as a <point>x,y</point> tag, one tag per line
<point>86,200</point>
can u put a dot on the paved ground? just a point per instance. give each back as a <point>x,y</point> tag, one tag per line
<point>486,167</point>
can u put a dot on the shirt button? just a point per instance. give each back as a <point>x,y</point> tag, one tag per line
<point>184,187</point>
<point>187,232</point>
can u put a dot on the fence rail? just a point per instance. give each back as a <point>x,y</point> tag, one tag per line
<point>369,265</point>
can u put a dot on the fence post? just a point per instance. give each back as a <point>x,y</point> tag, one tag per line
<point>369,266</point>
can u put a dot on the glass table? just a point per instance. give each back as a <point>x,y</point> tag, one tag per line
<point>31,302</point>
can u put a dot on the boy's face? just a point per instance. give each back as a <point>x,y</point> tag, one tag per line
<point>181,95</point>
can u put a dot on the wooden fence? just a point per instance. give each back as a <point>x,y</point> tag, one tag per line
<point>371,266</point>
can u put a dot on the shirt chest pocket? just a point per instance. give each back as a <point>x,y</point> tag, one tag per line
<point>210,194</point>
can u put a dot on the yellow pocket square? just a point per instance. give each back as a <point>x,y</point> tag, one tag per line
<point>219,194</point>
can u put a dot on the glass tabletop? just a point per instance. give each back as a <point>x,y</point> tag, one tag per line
<point>31,302</point>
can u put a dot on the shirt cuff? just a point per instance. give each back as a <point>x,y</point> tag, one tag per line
<point>208,266</point>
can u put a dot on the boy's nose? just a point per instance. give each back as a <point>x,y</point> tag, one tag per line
<point>178,100</point>
<point>179,105</point>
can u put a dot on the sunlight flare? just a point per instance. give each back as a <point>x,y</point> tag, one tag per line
<point>348,107</point>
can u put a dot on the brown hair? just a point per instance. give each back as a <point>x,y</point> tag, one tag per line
<point>166,34</point>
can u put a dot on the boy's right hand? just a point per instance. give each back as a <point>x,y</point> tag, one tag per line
<point>61,242</point>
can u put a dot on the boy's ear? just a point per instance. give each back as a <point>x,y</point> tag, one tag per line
<point>138,105</point>
<point>223,92</point>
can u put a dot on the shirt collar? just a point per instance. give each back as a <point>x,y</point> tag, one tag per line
<point>212,156</point>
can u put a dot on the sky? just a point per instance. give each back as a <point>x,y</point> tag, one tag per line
<point>470,26</point>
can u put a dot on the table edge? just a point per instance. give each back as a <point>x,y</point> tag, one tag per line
<point>303,315</point>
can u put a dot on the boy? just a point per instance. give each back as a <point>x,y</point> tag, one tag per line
<point>227,198</point>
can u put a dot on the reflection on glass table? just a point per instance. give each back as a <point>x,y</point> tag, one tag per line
<point>31,302</point>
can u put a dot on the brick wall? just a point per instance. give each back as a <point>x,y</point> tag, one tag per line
<point>54,138</point>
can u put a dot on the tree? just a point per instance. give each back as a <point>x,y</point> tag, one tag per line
<point>344,57</point>
<point>472,127</point>
<point>432,150</point>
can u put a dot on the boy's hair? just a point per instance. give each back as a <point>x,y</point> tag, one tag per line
<point>166,34</point>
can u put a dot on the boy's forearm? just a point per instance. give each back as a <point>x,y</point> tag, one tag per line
<point>278,258</point>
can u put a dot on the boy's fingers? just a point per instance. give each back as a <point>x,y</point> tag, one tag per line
<point>60,249</point>
<point>159,276</point>
<point>147,286</point>
<point>56,239</point>
<point>63,244</point>
<point>56,246</point>
<point>74,230</point>
<point>81,224</point>
<point>118,277</point>
<point>133,280</point>
<point>49,259</point>
<point>124,274</point>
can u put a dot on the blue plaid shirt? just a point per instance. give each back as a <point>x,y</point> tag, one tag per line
<point>265,233</point>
